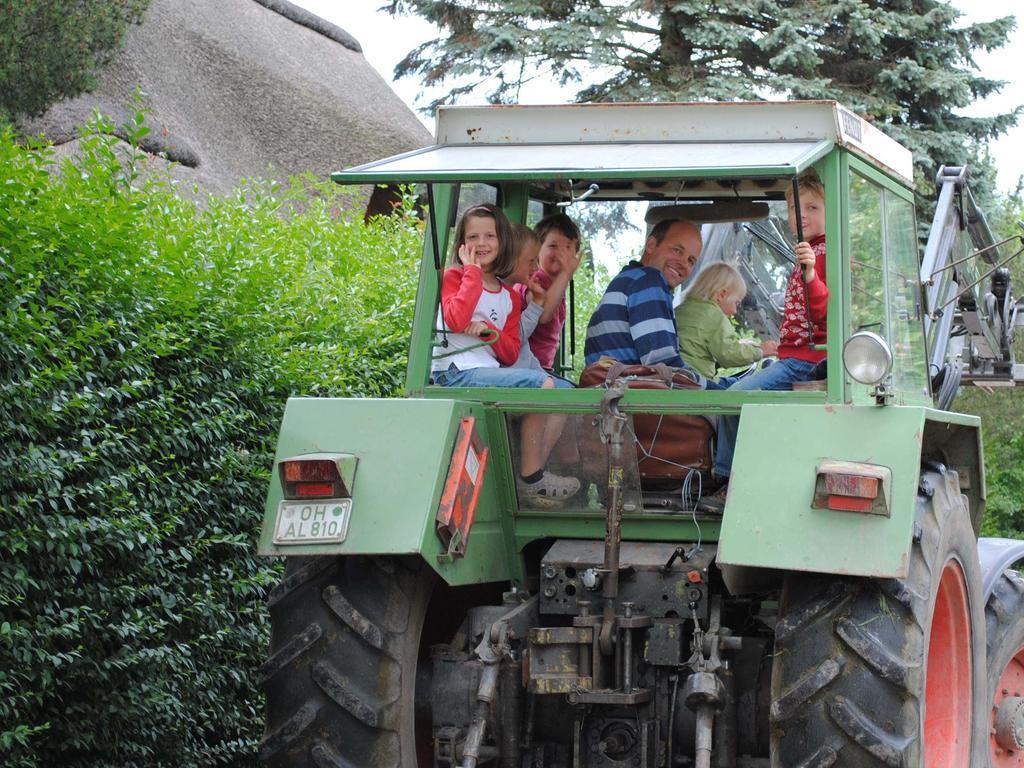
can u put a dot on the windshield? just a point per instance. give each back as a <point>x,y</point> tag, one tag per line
<point>743,225</point>
<point>613,234</point>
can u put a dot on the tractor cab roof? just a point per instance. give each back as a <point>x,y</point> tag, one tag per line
<point>638,150</point>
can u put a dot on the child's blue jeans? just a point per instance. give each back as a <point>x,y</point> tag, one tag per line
<point>779,376</point>
<point>490,377</point>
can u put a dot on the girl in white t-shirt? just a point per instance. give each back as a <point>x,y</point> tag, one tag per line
<point>475,305</point>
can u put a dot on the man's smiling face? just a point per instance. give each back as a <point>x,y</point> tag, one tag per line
<point>677,253</point>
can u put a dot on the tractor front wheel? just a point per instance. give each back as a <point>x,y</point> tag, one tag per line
<point>887,673</point>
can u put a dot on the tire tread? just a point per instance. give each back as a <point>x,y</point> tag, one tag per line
<point>291,650</point>
<point>344,643</point>
<point>872,650</point>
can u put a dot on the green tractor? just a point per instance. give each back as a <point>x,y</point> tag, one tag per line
<point>840,611</point>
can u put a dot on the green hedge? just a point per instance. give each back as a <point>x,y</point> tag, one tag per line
<point>147,346</point>
<point>1002,427</point>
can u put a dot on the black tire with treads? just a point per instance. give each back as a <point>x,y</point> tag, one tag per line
<point>849,673</point>
<point>340,677</point>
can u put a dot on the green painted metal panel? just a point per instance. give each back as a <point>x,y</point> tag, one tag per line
<point>489,554</point>
<point>515,199</point>
<point>404,448</point>
<point>838,225</point>
<point>679,527</point>
<point>830,173</point>
<point>636,400</point>
<point>425,318</point>
<point>953,417</point>
<point>769,522</point>
<point>503,489</point>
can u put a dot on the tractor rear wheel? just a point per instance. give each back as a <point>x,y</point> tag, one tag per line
<point>887,672</point>
<point>1004,619</point>
<point>341,676</point>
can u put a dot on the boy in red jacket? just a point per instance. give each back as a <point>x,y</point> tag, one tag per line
<point>802,335</point>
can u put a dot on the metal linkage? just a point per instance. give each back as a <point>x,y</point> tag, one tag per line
<point>973,255</point>
<point>703,691</point>
<point>493,648</point>
<point>495,651</point>
<point>935,313</point>
<point>612,424</point>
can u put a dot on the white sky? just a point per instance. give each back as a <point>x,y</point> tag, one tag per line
<point>385,40</point>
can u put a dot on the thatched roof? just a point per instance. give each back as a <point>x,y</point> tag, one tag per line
<point>244,88</point>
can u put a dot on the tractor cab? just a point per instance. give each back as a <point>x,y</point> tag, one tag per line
<point>619,169</point>
<point>726,167</point>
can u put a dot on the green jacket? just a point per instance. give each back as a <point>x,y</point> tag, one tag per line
<point>707,339</point>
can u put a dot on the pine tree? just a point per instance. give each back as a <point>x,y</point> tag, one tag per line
<point>904,64</point>
<point>50,50</point>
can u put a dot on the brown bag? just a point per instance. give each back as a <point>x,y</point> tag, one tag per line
<point>668,448</point>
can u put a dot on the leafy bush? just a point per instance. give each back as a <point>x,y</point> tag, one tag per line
<point>1004,474</point>
<point>590,281</point>
<point>147,346</point>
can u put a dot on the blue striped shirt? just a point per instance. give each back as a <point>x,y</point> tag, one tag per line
<point>634,322</point>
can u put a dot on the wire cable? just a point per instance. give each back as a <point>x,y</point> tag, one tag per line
<point>950,386</point>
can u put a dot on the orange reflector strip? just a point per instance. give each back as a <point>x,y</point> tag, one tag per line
<point>461,493</point>
<point>849,504</point>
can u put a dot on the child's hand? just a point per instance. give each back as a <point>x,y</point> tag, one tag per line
<point>467,255</point>
<point>475,328</point>
<point>805,258</point>
<point>537,291</point>
<point>769,348</point>
<point>570,261</point>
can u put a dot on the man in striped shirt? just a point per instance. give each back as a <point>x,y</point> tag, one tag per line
<point>634,322</point>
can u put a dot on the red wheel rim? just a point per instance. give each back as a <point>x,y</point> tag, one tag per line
<point>1011,683</point>
<point>948,689</point>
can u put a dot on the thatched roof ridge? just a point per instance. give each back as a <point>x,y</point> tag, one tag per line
<point>312,21</point>
<point>245,88</point>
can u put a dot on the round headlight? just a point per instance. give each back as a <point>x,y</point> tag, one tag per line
<point>867,358</point>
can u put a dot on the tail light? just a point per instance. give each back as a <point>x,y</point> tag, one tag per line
<point>318,476</point>
<point>851,486</point>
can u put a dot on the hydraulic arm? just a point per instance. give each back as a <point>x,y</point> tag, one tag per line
<point>970,314</point>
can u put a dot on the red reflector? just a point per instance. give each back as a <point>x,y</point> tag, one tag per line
<point>849,504</point>
<point>852,486</point>
<point>320,490</point>
<point>858,486</point>
<point>313,470</point>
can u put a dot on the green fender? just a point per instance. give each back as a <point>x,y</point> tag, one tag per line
<point>403,448</point>
<point>769,521</point>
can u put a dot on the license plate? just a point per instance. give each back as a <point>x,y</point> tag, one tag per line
<point>308,522</point>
